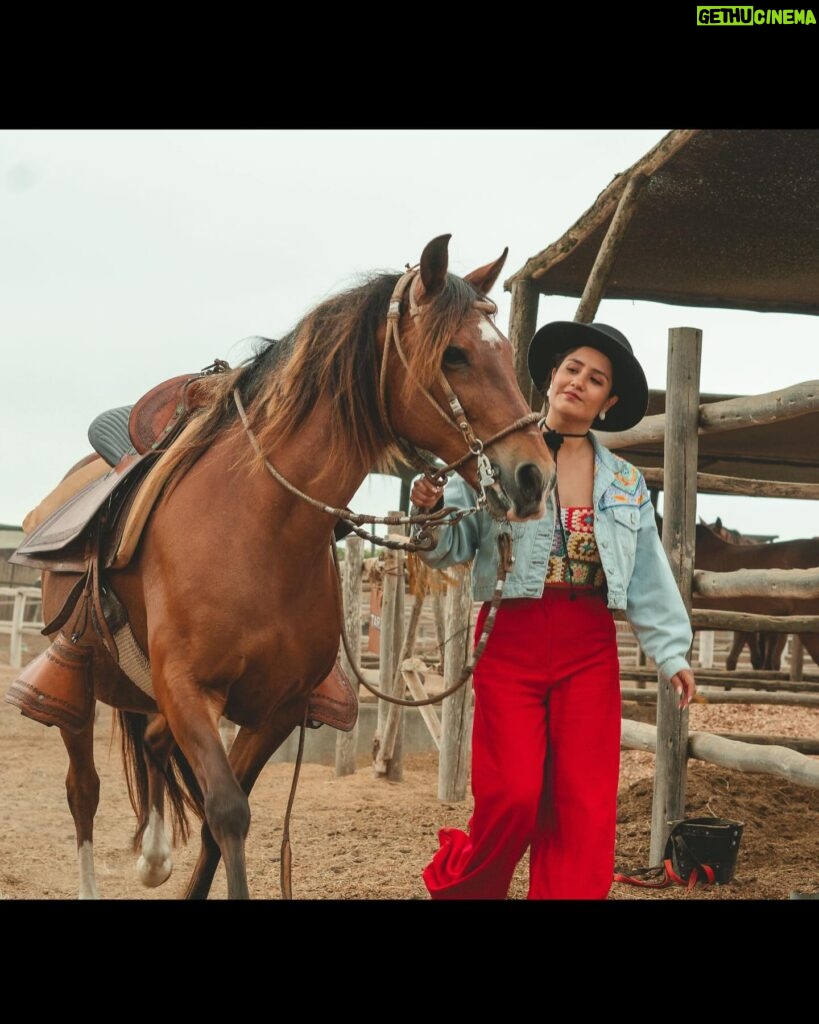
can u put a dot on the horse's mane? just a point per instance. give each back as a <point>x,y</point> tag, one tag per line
<point>331,351</point>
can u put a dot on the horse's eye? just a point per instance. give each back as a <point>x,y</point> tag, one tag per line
<point>454,356</point>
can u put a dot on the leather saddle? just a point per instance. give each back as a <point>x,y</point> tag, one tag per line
<point>92,521</point>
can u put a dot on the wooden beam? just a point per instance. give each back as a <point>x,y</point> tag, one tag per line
<point>753,679</point>
<point>802,584</point>
<point>713,483</point>
<point>797,768</point>
<point>599,274</point>
<point>730,414</point>
<point>802,700</point>
<point>745,622</point>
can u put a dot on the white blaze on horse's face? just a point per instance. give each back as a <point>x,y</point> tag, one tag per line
<point>489,333</point>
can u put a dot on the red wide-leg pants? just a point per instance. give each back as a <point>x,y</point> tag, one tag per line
<point>545,755</point>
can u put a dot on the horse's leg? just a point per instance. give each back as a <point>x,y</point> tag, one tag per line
<point>810,642</point>
<point>193,716</point>
<point>82,785</point>
<point>779,650</point>
<point>249,753</point>
<point>736,649</point>
<point>773,644</point>
<point>155,862</point>
<point>755,643</point>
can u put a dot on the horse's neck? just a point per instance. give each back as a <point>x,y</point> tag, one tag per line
<point>721,555</point>
<point>308,474</point>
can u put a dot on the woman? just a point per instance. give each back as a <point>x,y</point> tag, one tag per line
<point>546,726</point>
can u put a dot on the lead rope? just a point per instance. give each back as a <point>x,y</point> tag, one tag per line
<point>287,854</point>
<point>505,561</point>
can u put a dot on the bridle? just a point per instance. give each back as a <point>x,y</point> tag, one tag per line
<point>456,416</point>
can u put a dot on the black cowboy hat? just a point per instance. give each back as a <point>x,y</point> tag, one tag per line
<point>630,383</point>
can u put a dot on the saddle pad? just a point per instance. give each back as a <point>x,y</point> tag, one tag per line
<point>67,522</point>
<point>65,489</point>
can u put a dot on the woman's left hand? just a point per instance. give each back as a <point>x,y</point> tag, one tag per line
<point>685,685</point>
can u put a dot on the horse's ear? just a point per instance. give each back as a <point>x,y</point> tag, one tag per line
<point>484,278</point>
<point>434,263</point>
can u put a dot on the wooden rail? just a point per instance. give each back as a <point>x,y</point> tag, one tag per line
<point>17,625</point>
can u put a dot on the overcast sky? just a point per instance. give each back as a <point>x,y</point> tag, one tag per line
<point>131,256</point>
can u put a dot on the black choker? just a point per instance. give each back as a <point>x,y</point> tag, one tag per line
<point>554,438</point>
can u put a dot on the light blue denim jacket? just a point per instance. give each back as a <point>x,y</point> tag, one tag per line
<point>638,574</point>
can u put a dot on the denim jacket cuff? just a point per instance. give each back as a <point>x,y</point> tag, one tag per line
<point>670,667</point>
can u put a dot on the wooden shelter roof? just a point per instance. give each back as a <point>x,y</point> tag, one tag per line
<point>726,219</point>
<point>708,218</point>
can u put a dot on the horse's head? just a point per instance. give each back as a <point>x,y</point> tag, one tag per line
<point>449,387</point>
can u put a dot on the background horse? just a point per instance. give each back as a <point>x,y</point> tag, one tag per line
<point>765,648</point>
<point>234,567</point>
<point>716,554</point>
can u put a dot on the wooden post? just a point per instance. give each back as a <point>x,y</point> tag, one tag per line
<point>16,639</point>
<point>707,648</point>
<point>679,536</point>
<point>522,323</point>
<point>439,617</point>
<point>456,711</point>
<point>392,632</point>
<point>347,742</point>
<point>797,657</point>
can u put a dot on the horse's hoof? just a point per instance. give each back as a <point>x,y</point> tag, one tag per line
<point>153,875</point>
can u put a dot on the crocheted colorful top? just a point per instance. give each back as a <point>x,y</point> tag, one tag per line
<point>583,556</point>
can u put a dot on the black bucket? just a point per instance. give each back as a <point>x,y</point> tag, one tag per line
<point>700,842</point>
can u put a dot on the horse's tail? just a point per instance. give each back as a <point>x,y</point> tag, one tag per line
<point>181,790</point>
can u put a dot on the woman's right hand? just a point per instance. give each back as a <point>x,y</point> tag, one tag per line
<point>424,494</point>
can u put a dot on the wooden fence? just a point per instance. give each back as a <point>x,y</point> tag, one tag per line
<point>20,617</point>
<point>440,645</point>
<point>679,428</point>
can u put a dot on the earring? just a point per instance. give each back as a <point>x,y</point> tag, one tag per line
<point>602,415</point>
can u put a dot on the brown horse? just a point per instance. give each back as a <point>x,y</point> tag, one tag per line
<point>234,568</point>
<point>765,648</point>
<point>716,554</point>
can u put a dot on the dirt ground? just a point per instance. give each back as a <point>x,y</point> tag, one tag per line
<point>359,837</point>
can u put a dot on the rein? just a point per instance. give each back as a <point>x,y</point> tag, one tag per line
<point>447,516</point>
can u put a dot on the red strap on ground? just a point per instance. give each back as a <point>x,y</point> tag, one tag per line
<point>669,876</point>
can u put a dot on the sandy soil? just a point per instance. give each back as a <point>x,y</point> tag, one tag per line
<point>359,837</point>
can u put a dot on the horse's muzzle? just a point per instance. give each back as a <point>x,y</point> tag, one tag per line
<point>520,496</point>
